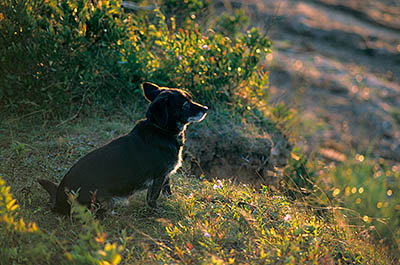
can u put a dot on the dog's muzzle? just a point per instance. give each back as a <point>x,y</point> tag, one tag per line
<point>201,113</point>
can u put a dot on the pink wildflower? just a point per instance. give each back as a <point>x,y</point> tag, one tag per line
<point>287,218</point>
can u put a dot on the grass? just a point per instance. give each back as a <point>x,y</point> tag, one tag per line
<point>203,222</point>
<point>369,187</point>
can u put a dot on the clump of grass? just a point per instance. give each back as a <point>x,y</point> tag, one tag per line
<point>371,189</point>
<point>203,222</point>
<point>361,189</point>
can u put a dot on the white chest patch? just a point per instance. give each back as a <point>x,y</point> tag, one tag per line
<point>178,164</point>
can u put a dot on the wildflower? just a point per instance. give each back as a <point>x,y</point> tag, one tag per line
<point>190,196</point>
<point>179,57</point>
<point>218,185</point>
<point>287,218</point>
<point>205,47</point>
<point>207,235</point>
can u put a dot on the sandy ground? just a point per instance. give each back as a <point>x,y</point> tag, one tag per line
<point>338,63</point>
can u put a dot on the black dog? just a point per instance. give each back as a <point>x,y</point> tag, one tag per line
<point>142,159</point>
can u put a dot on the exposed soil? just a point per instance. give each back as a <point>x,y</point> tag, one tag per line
<point>223,151</point>
<point>338,63</point>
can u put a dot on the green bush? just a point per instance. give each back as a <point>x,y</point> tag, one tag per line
<point>54,54</point>
<point>231,25</point>
<point>213,67</point>
<point>62,56</point>
<point>17,237</point>
<point>186,11</point>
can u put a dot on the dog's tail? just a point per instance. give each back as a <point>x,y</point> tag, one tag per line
<point>51,188</point>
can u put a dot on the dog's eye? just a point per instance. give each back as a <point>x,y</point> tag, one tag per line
<point>185,106</point>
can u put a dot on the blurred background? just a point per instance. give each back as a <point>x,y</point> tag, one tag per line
<point>337,63</point>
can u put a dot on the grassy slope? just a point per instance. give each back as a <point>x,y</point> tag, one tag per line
<point>202,223</point>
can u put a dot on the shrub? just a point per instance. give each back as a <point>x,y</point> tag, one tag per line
<point>186,11</point>
<point>210,65</point>
<point>231,25</point>
<point>62,56</point>
<point>25,243</point>
<point>55,54</point>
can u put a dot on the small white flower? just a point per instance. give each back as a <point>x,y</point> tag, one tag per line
<point>287,218</point>
<point>206,234</point>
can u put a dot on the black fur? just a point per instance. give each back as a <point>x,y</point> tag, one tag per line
<point>142,159</point>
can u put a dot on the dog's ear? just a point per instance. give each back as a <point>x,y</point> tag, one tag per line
<point>150,91</point>
<point>158,111</point>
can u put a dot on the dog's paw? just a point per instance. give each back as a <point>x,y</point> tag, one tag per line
<point>166,191</point>
<point>152,204</point>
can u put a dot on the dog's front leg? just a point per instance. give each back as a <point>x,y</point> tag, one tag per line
<point>153,192</point>
<point>166,190</point>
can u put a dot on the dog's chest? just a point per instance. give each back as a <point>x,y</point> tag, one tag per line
<point>154,153</point>
<point>170,154</point>
<point>177,164</point>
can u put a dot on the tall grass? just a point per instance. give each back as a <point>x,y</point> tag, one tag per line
<point>362,190</point>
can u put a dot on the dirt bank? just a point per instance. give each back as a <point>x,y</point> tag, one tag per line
<point>338,63</point>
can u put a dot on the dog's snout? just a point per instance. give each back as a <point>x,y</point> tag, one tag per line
<point>199,107</point>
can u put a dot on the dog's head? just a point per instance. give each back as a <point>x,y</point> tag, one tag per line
<point>171,108</point>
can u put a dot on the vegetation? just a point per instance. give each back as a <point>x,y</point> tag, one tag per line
<point>62,58</point>
<point>361,189</point>
<point>26,244</point>
<point>203,222</point>
<point>368,190</point>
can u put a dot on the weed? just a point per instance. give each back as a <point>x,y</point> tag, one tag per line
<point>25,243</point>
